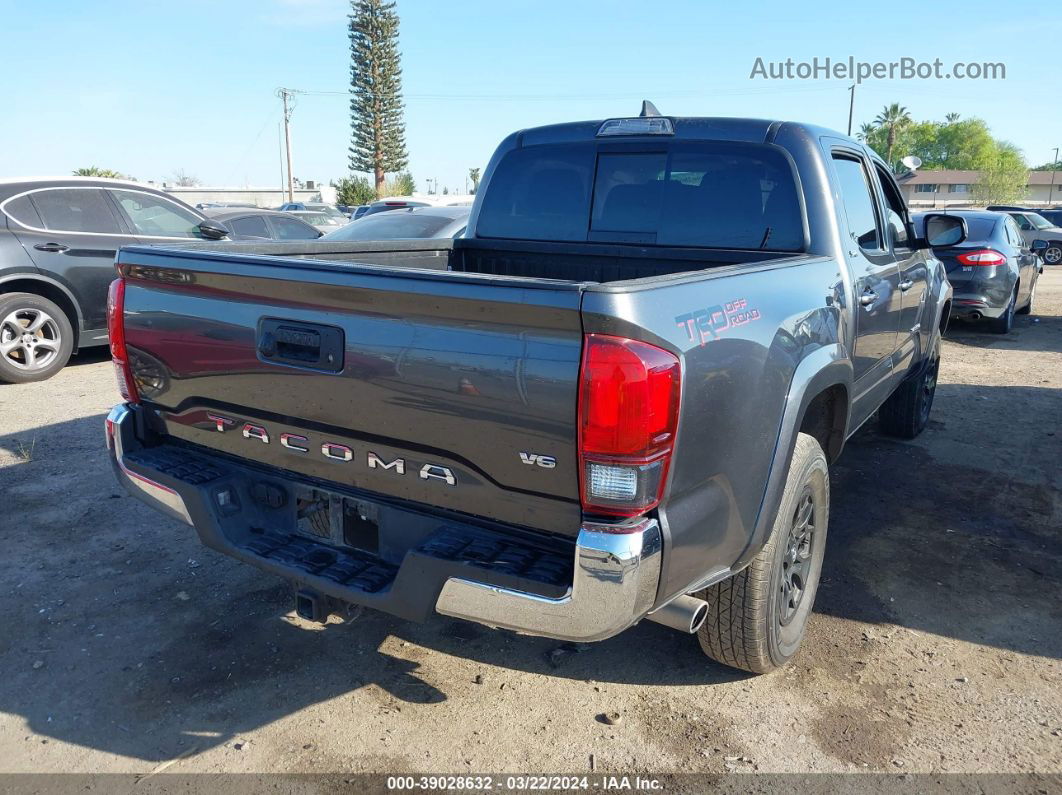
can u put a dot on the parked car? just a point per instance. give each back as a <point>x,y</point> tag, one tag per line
<point>317,207</point>
<point>413,222</point>
<point>1052,215</point>
<point>359,211</point>
<point>264,225</point>
<point>58,238</point>
<point>993,272</point>
<point>1034,226</point>
<point>322,222</point>
<point>219,205</point>
<point>615,398</point>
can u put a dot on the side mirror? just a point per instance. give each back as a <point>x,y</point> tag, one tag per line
<point>944,230</point>
<point>213,230</point>
<point>1039,246</point>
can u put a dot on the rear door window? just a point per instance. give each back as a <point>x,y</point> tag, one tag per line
<point>76,210</point>
<point>249,226</point>
<point>713,195</point>
<point>22,211</point>
<point>154,216</point>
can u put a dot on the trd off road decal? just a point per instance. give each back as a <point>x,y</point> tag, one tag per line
<point>705,324</point>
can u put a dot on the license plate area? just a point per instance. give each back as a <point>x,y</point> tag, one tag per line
<point>338,520</point>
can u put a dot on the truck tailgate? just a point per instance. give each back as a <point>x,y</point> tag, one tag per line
<point>449,390</point>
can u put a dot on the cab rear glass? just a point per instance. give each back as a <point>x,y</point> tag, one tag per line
<point>703,194</point>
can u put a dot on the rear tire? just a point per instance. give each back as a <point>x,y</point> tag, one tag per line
<point>756,619</point>
<point>1005,322</point>
<point>906,412</point>
<point>36,338</point>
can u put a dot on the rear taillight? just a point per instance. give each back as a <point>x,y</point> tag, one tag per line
<point>628,416</point>
<point>984,256</point>
<point>116,331</point>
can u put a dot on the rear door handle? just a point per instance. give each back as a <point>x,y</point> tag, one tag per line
<point>867,298</point>
<point>51,247</point>
<point>906,284</point>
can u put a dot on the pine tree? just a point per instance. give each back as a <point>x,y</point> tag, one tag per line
<point>378,135</point>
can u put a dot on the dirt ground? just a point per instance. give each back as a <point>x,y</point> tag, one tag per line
<point>936,645</point>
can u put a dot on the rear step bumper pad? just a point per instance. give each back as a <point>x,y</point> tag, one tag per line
<point>614,575</point>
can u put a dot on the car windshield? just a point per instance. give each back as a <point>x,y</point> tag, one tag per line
<point>1038,221</point>
<point>392,226</point>
<point>713,194</point>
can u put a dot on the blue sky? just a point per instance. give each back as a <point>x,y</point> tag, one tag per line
<point>149,87</point>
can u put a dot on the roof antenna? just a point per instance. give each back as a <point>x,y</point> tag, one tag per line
<point>648,109</point>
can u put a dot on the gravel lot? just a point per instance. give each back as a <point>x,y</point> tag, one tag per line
<point>936,646</point>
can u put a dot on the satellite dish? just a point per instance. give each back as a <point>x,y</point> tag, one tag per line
<point>912,162</point>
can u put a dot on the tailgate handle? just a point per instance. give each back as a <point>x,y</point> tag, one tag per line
<point>297,344</point>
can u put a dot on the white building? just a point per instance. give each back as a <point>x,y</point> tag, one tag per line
<point>948,188</point>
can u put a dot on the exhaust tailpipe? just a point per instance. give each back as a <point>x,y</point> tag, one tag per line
<point>686,614</point>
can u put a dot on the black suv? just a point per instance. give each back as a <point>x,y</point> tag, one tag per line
<point>58,237</point>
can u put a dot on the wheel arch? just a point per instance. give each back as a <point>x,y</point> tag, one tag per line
<point>50,289</point>
<point>819,399</point>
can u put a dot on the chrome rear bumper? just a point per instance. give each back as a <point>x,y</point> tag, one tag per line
<point>118,429</point>
<point>614,583</point>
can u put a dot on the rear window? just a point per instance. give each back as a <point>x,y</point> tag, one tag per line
<point>392,226</point>
<point>712,195</point>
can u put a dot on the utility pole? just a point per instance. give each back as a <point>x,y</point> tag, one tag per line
<point>284,95</point>
<point>1054,170</point>
<point>851,106</point>
<point>280,147</point>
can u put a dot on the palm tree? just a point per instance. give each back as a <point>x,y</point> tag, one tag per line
<point>892,118</point>
<point>865,131</point>
<point>951,118</point>
<point>95,171</point>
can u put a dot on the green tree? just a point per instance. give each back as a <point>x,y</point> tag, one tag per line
<point>865,131</point>
<point>473,174</point>
<point>1004,178</point>
<point>378,135</point>
<point>354,191</point>
<point>401,184</point>
<point>892,119</point>
<point>95,171</point>
<point>1052,166</point>
<point>951,118</point>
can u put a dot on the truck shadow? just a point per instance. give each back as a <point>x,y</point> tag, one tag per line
<point>128,637</point>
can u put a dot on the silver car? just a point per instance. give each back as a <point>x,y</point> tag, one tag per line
<point>415,222</point>
<point>1034,226</point>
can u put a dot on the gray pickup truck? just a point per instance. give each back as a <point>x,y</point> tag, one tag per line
<point>615,399</point>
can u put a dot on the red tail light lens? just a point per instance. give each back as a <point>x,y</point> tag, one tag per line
<point>984,256</point>
<point>628,416</point>
<point>116,332</point>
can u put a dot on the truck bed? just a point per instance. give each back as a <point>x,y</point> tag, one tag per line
<point>589,263</point>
